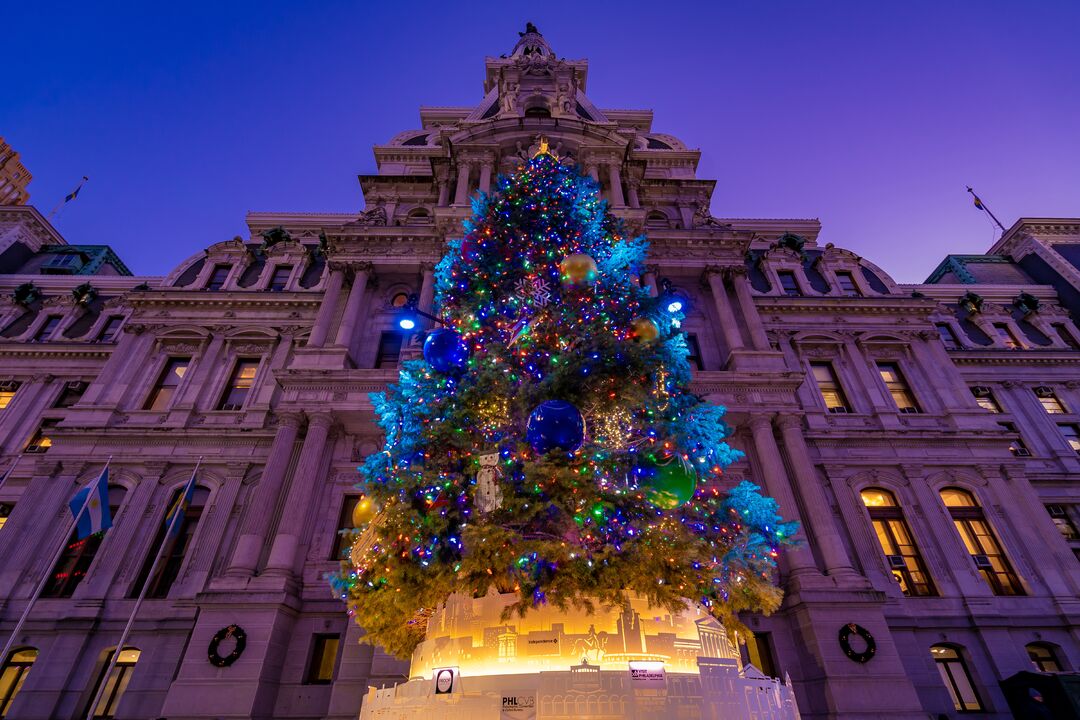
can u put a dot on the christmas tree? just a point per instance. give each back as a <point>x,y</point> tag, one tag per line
<point>547,444</point>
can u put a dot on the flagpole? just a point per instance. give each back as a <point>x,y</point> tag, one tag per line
<point>70,196</point>
<point>48,570</point>
<point>982,206</point>
<point>142,596</point>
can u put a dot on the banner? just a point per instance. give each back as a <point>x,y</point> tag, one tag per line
<point>518,707</point>
<point>648,676</point>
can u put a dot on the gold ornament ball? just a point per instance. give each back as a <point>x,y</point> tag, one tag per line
<point>578,269</point>
<point>364,511</point>
<point>645,330</point>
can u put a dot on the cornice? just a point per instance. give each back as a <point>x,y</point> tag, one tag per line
<point>83,350</point>
<point>1002,356</point>
<point>225,298</point>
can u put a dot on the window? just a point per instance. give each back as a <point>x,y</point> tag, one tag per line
<point>71,394</point>
<point>173,555</point>
<point>1043,657</point>
<point>389,349</point>
<point>846,281</point>
<point>957,679</point>
<point>985,398</point>
<point>829,387</point>
<point>788,284</point>
<point>1049,400</point>
<point>323,658</point>
<point>41,442</point>
<point>240,382</point>
<point>14,675</point>
<point>1016,443</point>
<point>218,277</point>
<point>1060,515</point>
<point>110,329</point>
<point>5,513</point>
<point>399,300</point>
<point>280,278</point>
<point>1072,436</point>
<point>694,351</point>
<point>116,683</point>
<point>980,541</point>
<point>894,536</point>
<point>948,337</point>
<point>345,520</point>
<point>541,112</point>
<point>79,555</point>
<point>1066,336</point>
<point>656,219</point>
<point>758,652</point>
<point>7,392</point>
<point>1006,336</point>
<point>897,387</point>
<point>166,386</point>
<point>47,328</point>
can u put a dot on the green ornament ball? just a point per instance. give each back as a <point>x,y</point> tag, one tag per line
<point>667,486</point>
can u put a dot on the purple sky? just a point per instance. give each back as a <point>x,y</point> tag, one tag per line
<point>869,116</point>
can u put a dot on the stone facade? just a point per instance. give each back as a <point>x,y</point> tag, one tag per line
<point>14,177</point>
<point>257,355</point>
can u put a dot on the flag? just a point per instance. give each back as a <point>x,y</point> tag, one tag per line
<point>75,193</point>
<point>90,507</point>
<point>978,202</point>
<point>179,507</point>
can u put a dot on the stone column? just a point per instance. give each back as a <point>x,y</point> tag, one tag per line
<point>212,527</point>
<point>461,194</point>
<point>739,279</point>
<point>321,328</point>
<point>285,550</point>
<point>485,174</point>
<point>649,278</point>
<point>593,171</point>
<point>615,178</point>
<point>40,516</point>
<point>263,500</point>
<point>728,326</point>
<point>353,305</point>
<point>777,485</point>
<point>819,512</point>
<point>442,181</point>
<point>427,292</point>
<point>632,185</point>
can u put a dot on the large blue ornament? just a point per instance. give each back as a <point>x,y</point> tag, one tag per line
<point>446,351</point>
<point>555,424</point>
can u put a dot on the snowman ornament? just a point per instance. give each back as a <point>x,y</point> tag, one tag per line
<point>488,493</point>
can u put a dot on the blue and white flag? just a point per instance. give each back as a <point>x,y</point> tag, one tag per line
<point>92,516</point>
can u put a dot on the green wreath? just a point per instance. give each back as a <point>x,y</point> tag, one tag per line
<point>233,631</point>
<point>845,642</point>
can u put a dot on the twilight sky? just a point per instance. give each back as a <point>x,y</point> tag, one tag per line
<point>870,116</point>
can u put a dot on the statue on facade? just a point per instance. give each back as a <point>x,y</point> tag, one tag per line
<point>703,218</point>
<point>374,216</point>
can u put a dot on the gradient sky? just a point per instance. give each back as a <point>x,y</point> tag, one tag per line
<point>870,116</point>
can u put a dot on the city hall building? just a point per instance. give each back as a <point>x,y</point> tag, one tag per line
<point>925,436</point>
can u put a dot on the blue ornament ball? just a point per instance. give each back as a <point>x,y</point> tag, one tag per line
<point>446,351</point>
<point>555,424</point>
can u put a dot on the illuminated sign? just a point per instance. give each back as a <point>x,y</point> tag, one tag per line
<point>445,680</point>
<point>648,675</point>
<point>518,707</point>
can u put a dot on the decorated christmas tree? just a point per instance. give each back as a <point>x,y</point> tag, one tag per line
<point>547,444</point>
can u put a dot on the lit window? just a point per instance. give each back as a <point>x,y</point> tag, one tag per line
<point>897,387</point>
<point>47,329</point>
<point>5,513</point>
<point>829,387</point>
<point>788,283</point>
<point>948,337</point>
<point>1066,336</point>
<point>1016,443</point>
<point>324,649</point>
<point>280,278</point>
<point>1072,436</point>
<point>846,281</point>
<point>243,376</point>
<point>694,352</point>
<point>345,521</point>
<point>980,541</point>
<point>389,350</point>
<point>897,542</point>
<point>1049,400</point>
<point>42,440</point>
<point>985,397</point>
<point>758,652</point>
<point>7,392</point>
<point>166,386</point>
<point>111,327</point>
<point>1005,334</point>
<point>115,684</point>
<point>1060,515</point>
<point>78,555</point>
<point>16,668</point>
<point>218,277</point>
<point>957,679</point>
<point>1043,657</point>
<point>173,561</point>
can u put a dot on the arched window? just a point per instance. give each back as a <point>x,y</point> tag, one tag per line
<point>656,219</point>
<point>980,541</point>
<point>957,678</point>
<point>399,299</point>
<point>1043,657</point>
<point>116,683</point>
<point>897,542</point>
<point>175,550</point>
<point>79,555</point>
<point>418,216</point>
<point>14,675</point>
<point>539,111</point>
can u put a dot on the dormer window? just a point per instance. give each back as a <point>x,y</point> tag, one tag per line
<point>788,284</point>
<point>218,277</point>
<point>45,332</point>
<point>280,279</point>
<point>846,281</point>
